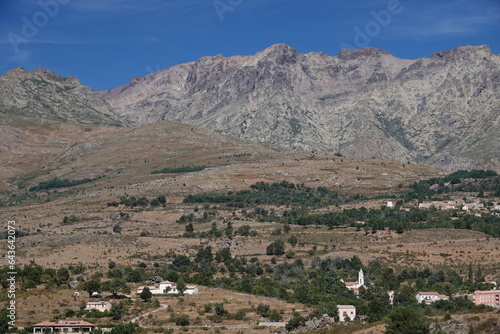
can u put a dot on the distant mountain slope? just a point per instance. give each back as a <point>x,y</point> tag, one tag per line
<point>45,95</point>
<point>35,151</point>
<point>441,111</point>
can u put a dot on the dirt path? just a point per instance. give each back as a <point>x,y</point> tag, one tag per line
<point>162,307</point>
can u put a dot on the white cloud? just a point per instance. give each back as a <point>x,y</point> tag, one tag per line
<point>446,19</point>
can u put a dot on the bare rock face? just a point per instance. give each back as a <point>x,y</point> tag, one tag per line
<point>441,111</point>
<point>45,95</point>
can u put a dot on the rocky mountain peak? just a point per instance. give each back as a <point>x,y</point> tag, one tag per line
<point>351,54</point>
<point>464,51</point>
<point>44,94</point>
<point>281,53</point>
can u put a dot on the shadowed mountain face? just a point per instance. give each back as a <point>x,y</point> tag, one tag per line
<point>441,111</point>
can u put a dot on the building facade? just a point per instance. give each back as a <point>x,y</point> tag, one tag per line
<point>490,298</point>
<point>429,297</point>
<point>64,326</point>
<point>346,312</point>
<point>167,287</point>
<point>98,306</point>
<point>191,290</point>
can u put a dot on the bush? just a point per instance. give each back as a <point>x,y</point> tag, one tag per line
<point>263,310</point>
<point>180,320</point>
<point>183,169</point>
<point>239,315</point>
<point>276,248</point>
<point>407,320</point>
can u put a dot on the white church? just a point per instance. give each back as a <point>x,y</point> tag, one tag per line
<point>354,286</point>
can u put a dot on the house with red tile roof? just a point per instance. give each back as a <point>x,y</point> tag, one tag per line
<point>430,297</point>
<point>64,326</point>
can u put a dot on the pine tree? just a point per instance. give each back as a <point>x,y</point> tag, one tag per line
<point>146,294</point>
<point>471,274</point>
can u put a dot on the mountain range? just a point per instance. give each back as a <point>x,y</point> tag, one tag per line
<point>441,111</point>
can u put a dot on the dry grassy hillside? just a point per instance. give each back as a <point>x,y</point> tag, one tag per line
<point>121,161</point>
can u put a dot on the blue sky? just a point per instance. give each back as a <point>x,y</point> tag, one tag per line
<point>107,42</point>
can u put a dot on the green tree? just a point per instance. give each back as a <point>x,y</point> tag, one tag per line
<point>117,229</point>
<point>407,320</point>
<point>115,286</point>
<point>224,255</point>
<point>118,310</point>
<point>181,320</point>
<point>219,309</point>
<point>287,228</point>
<point>162,199</point>
<point>4,321</point>
<point>228,231</point>
<point>189,228</point>
<point>293,240</point>
<point>204,255</point>
<point>263,310</point>
<point>378,308</point>
<point>146,294</point>
<point>276,248</point>
<point>275,316</point>
<point>479,275</point>
<point>329,281</point>
<point>129,328</point>
<point>181,285</point>
<point>91,287</point>
<point>405,296</point>
<point>471,273</point>
<point>295,322</point>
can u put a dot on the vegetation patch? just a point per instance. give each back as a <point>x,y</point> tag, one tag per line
<point>278,193</point>
<point>60,183</point>
<point>183,169</point>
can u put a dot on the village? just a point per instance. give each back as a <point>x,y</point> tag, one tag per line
<point>159,287</point>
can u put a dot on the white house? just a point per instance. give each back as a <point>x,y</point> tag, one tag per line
<point>391,296</point>
<point>429,297</point>
<point>162,288</point>
<point>191,290</point>
<point>354,286</point>
<point>346,311</point>
<point>98,306</point>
